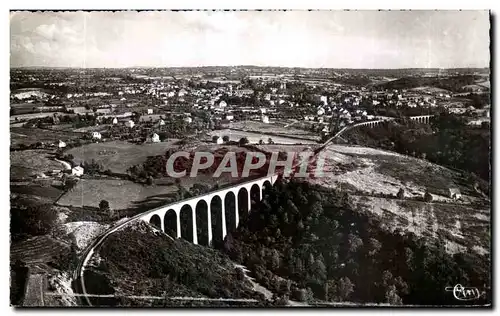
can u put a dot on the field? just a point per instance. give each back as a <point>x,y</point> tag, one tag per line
<point>118,156</point>
<point>274,128</point>
<point>254,138</point>
<point>36,192</point>
<point>37,250</point>
<point>121,194</point>
<point>286,148</point>
<point>368,170</point>
<point>29,116</point>
<point>27,136</point>
<point>28,163</point>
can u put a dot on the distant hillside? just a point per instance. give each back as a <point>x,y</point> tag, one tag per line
<point>454,83</point>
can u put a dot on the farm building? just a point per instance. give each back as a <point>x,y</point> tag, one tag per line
<point>218,140</point>
<point>155,138</point>
<point>150,111</point>
<point>96,135</point>
<point>115,120</point>
<point>61,144</point>
<point>455,193</point>
<point>130,123</point>
<point>77,171</point>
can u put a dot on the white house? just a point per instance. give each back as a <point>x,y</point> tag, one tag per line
<point>161,122</point>
<point>130,123</point>
<point>115,121</point>
<point>61,144</point>
<point>150,111</point>
<point>455,194</point>
<point>229,117</point>
<point>265,119</point>
<point>77,171</point>
<point>218,140</point>
<point>263,110</point>
<point>155,138</point>
<point>96,135</point>
<point>324,99</point>
<point>188,120</point>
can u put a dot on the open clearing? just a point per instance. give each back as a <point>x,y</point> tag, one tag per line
<point>369,169</point>
<point>118,156</point>
<point>121,194</point>
<point>28,163</point>
<point>460,227</point>
<point>275,128</point>
<point>27,136</point>
<point>38,249</point>
<point>366,172</point>
<point>254,138</point>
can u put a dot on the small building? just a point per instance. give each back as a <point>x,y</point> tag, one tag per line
<point>229,117</point>
<point>61,144</point>
<point>96,135</point>
<point>77,171</point>
<point>265,119</point>
<point>150,111</point>
<point>130,123</point>
<point>320,111</point>
<point>455,193</point>
<point>188,120</point>
<point>115,120</point>
<point>161,122</point>
<point>218,140</point>
<point>324,99</point>
<point>155,138</point>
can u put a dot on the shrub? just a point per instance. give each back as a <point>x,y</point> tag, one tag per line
<point>33,221</point>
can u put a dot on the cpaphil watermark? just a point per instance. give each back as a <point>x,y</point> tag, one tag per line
<point>243,164</point>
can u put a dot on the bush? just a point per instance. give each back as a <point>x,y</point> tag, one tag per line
<point>243,141</point>
<point>401,193</point>
<point>427,197</point>
<point>33,221</point>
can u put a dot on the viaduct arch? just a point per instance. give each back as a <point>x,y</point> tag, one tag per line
<point>193,218</point>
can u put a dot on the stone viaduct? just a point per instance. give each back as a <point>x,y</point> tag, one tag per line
<point>168,218</point>
<point>422,118</point>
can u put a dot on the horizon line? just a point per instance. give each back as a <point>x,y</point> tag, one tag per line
<point>254,66</point>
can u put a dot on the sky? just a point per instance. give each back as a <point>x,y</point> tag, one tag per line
<point>316,39</point>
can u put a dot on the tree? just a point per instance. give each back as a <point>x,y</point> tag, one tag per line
<point>427,197</point>
<point>104,205</point>
<point>275,260</point>
<point>345,288</point>
<point>243,141</point>
<point>392,297</point>
<point>270,140</point>
<point>401,193</point>
<point>225,138</point>
<point>33,220</point>
<point>261,142</point>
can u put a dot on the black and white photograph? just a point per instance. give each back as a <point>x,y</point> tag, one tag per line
<point>250,158</point>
